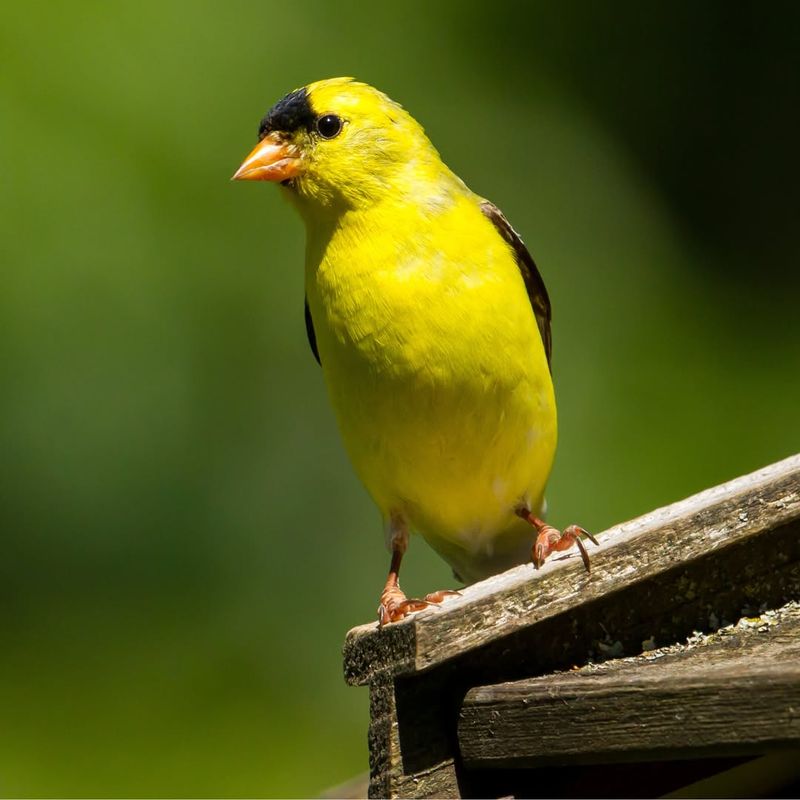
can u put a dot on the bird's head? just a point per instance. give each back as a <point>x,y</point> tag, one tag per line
<point>338,144</point>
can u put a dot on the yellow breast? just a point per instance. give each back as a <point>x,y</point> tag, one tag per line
<point>435,368</point>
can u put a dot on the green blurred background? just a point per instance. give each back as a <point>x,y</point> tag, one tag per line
<point>183,543</point>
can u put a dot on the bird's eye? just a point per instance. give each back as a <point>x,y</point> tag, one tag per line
<point>329,126</point>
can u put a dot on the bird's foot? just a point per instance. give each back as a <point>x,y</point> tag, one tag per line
<point>551,539</point>
<point>396,606</point>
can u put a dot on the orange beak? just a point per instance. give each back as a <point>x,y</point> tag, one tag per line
<point>270,160</point>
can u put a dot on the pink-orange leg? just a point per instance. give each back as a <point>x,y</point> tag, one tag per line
<point>394,604</point>
<point>551,539</point>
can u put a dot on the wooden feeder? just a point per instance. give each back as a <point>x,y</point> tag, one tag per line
<point>674,666</point>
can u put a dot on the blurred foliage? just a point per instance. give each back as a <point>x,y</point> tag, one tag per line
<point>184,545</point>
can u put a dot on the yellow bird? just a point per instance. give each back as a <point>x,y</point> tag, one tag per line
<point>432,326</point>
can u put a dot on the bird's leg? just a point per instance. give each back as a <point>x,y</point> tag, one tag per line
<point>394,604</point>
<point>550,539</point>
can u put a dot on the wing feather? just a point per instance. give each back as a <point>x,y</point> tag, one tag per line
<point>537,293</point>
<point>312,336</point>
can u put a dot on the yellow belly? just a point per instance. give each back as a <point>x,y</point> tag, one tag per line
<point>441,388</point>
<point>454,460</point>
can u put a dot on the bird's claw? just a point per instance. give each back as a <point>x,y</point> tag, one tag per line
<point>437,597</point>
<point>551,539</point>
<point>396,606</point>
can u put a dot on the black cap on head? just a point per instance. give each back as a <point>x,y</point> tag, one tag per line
<point>288,115</point>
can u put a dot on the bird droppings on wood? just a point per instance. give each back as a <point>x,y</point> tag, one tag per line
<point>729,692</point>
<point>788,614</point>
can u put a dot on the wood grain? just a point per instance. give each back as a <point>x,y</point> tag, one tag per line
<point>725,695</point>
<point>762,506</point>
<point>689,566</point>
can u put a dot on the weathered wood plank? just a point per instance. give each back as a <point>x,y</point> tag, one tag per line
<point>414,758</point>
<point>645,550</point>
<point>683,568</point>
<point>735,692</point>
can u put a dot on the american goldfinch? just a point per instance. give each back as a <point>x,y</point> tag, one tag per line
<point>432,326</point>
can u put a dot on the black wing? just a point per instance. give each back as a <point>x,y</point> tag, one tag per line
<point>537,293</point>
<point>312,337</point>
